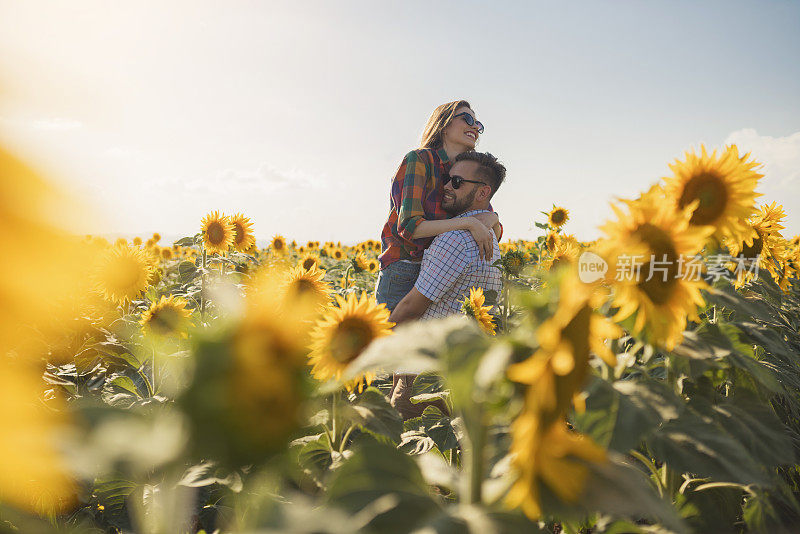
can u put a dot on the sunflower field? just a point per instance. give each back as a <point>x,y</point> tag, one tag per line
<point>648,381</point>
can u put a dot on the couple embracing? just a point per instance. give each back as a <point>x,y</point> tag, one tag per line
<point>441,236</point>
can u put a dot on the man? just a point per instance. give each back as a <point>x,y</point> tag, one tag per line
<point>452,264</point>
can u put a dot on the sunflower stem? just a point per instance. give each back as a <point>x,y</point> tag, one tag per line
<point>345,437</point>
<point>333,421</point>
<point>203,288</point>
<point>476,432</point>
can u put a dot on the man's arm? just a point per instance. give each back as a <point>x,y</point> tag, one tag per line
<point>411,307</point>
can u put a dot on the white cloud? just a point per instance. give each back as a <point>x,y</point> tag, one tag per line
<point>781,159</point>
<point>780,155</point>
<point>266,178</point>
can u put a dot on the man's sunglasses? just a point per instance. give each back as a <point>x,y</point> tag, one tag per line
<point>470,120</point>
<point>457,181</point>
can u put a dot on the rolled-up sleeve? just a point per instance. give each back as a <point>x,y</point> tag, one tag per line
<point>414,174</point>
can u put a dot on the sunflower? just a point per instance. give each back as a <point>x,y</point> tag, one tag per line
<point>278,245</point>
<point>156,237</point>
<point>307,284</point>
<point>137,241</point>
<point>338,254</point>
<point>565,253</point>
<point>373,265</point>
<point>557,217</point>
<point>309,261</point>
<point>721,191</point>
<point>553,456</point>
<point>166,253</point>
<point>765,246</point>
<point>312,245</point>
<point>217,233</point>
<point>513,261</point>
<point>473,307</point>
<point>661,240</point>
<point>122,274</point>
<point>359,262</point>
<point>243,237</point>
<point>166,317</point>
<point>342,336</point>
<point>551,240</point>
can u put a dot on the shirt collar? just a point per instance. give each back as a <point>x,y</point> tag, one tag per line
<point>471,212</point>
<point>442,153</point>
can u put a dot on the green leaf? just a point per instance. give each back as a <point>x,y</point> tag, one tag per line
<point>415,442</point>
<point>440,428</point>
<point>380,473</point>
<point>207,473</point>
<point>371,411</point>
<point>614,487</point>
<point>315,458</point>
<point>692,445</point>
<point>413,348</point>
<point>186,241</point>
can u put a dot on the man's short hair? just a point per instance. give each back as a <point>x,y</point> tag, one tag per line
<point>489,168</point>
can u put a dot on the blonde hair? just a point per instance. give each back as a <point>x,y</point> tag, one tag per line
<point>433,135</point>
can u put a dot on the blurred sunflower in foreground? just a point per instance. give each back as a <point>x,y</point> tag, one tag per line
<point>33,288</point>
<point>544,451</point>
<point>123,273</point>
<point>724,188</point>
<point>247,395</point>
<point>662,240</point>
<point>343,334</point>
<point>218,233</point>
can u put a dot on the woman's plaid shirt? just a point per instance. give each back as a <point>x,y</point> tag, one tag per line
<point>416,196</point>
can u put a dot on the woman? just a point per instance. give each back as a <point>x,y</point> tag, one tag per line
<point>416,215</point>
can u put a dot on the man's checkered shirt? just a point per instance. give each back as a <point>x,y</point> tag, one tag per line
<point>451,266</point>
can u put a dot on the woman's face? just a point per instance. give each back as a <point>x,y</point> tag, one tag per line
<point>458,132</point>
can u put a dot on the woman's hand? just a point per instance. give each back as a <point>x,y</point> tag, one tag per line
<point>489,219</point>
<point>483,237</point>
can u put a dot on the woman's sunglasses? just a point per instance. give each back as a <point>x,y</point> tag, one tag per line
<point>457,181</point>
<point>470,120</point>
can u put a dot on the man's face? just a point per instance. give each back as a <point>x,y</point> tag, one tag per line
<point>456,201</point>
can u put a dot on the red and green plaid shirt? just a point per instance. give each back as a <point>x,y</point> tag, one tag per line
<point>417,190</point>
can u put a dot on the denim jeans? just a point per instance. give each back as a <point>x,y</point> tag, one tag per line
<point>395,281</point>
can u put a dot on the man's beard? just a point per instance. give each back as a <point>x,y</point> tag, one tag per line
<point>460,206</point>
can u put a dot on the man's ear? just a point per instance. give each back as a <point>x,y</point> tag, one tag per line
<point>485,193</point>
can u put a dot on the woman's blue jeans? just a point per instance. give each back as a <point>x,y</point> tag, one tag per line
<point>395,281</point>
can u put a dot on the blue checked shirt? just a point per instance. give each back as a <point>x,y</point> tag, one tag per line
<point>451,265</point>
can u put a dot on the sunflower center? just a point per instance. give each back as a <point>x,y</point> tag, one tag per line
<point>164,320</point>
<point>752,251</point>
<point>215,233</point>
<point>124,273</point>
<point>558,216</point>
<point>662,265</point>
<point>304,286</point>
<point>351,337</point>
<point>577,333</point>
<point>277,244</point>
<point>238,233</point>
<point>713,196</point>
<point>308,263</point>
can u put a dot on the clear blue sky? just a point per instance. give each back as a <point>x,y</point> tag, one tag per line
<point>298,114</point>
